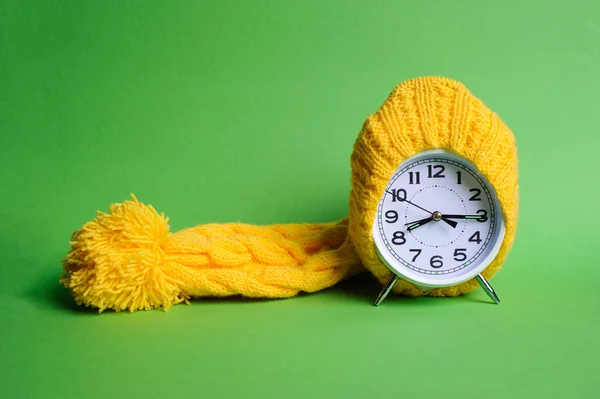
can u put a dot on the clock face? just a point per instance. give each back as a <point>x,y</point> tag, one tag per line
<point>438,222</point>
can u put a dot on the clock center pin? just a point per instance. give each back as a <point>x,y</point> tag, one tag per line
<point>437,216</point>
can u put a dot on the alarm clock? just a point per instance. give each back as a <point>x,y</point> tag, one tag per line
<point>438,223</point>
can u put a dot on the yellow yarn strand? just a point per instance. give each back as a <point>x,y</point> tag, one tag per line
<point>128,259</point>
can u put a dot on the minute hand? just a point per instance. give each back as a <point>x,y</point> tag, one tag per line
<point>463,216</point>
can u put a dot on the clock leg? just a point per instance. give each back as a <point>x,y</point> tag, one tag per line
<point>386,290</point>
<point>487,288</point>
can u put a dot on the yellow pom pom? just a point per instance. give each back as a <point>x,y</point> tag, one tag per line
<point>128,260</point>
<point>116,261</point>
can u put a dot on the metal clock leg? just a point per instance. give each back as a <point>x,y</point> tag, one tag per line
<point>487,288</point>
<point>386,290</point>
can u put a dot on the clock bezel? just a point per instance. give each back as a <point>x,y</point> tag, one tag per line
<point>424,280</point>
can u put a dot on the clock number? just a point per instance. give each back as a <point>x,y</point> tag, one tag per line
<point>475,238</point>
<point>437,174</point>
<point>418,251</point>
<point>391,216</point>
<point>458,177</point>
<point>414,178</point>
<point>398,238</point>
<point>399,195</point>
<point>460,254</point>
<point>483,217</point>
<point>436,262</point>
<point>475,196</point>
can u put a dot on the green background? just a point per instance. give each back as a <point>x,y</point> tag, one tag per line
<point>247,111</point>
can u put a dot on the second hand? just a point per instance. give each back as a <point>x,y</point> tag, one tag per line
<point>405,200</point>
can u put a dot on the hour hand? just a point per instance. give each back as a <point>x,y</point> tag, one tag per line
<point>418,223</point>
<point>450,222</point>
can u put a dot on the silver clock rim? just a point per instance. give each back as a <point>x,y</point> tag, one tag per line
<point>423,280</point>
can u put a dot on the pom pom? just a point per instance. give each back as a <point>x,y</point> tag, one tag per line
<point>117,261</point>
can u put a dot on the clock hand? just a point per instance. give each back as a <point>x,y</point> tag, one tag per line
<point>450,222</point>
<point>436,216</point>
<point>476,217</point>
<point>413,204</point>
<point>419,223</point>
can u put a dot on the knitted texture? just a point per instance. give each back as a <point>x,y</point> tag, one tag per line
<point>128,260</point>
<point>421,114</point>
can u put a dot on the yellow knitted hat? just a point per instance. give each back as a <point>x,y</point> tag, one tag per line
<point>421,114</point>
<point>128,260</point>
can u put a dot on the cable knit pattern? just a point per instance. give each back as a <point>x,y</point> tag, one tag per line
<point>421,114</point>
<point>128,259</point>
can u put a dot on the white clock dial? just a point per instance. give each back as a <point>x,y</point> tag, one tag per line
<point>439,222</point>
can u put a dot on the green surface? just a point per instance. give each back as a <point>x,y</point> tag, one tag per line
<point>247,111</point>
